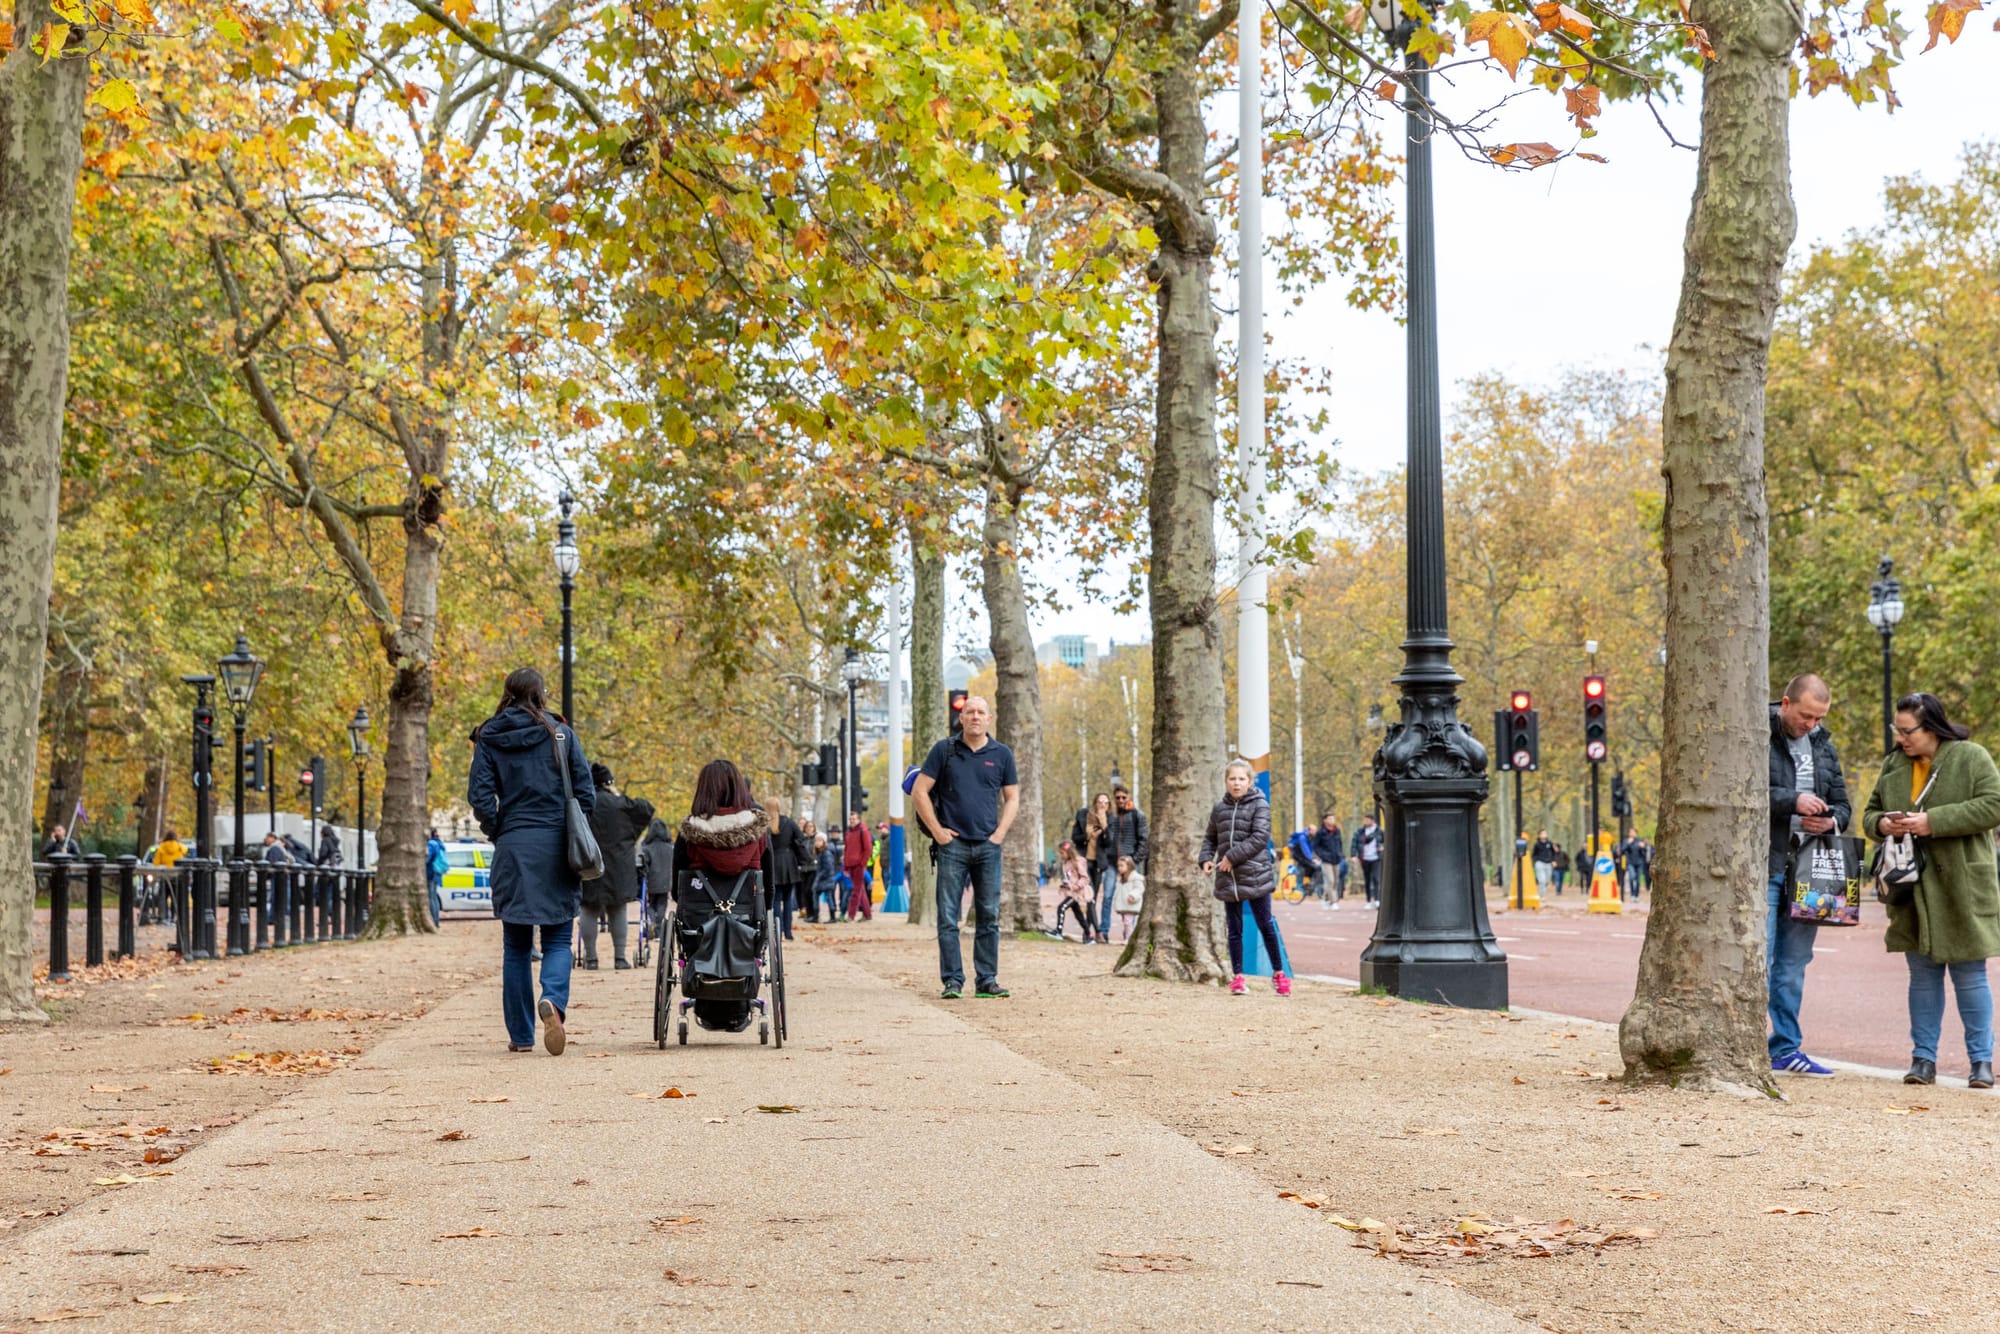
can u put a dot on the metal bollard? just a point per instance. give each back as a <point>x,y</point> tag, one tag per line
<point>179,883</point>
<point>128,906</point>
<point>205,906</point>
<point>93,910</point>
<point>336,905</point>
<point>357,904</point>
<point>281,908</point>
<point>59,917</point>
<point>238,899</point>
<point>261,906</point>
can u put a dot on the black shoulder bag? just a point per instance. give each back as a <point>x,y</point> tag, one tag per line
<point>585,857</point>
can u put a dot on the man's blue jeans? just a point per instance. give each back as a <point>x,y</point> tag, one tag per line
<point>1788,948</point>
<point>978,862</point>
<point>1975,1006</point>
<point>517,982</point>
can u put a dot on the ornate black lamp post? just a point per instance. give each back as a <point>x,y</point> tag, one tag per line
<point>201,772</point>
<point>1432,939</point>
<point>1885,613</point>
<point>568,562</point>
<point>240,670</point>
<point>357,741</point>
<point>853,671</point>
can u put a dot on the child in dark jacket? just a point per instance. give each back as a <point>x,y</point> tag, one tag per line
<point>1237,851</point>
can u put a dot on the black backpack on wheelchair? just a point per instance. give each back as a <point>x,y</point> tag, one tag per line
<point>720,946</point>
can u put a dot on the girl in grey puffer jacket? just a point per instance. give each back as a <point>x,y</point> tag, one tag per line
<point>1237,851</point>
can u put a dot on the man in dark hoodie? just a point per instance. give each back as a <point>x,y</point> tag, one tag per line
<point>617,820</point>
<point>1808,798</point>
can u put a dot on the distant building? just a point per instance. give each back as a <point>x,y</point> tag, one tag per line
<point>958,673</point>
<point>1075,652</point>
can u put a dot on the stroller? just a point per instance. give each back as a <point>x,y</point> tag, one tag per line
<point>720,944</point>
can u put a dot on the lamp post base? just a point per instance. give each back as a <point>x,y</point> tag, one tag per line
<point>1433,941</point>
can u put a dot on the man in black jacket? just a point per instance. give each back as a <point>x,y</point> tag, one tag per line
<point>1330,846</point>
<point>1808,798</point>
<point>617,820</point>
<point>1125,836</point>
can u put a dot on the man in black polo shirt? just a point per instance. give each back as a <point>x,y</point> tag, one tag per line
<point>967,795</point>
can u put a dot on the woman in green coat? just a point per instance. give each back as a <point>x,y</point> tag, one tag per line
<point>1951,922</point>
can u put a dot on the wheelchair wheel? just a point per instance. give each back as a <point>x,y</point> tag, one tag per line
<point>778,988</point>
<point>663,990</point>
<point>684,1032</point>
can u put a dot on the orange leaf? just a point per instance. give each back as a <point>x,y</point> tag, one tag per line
<point>1529,155</point>
<point>1506,37</point>
<point>1554,15</point>
<point>1583,104</point>
<point>1948,19</point>
<point>1386,90</point>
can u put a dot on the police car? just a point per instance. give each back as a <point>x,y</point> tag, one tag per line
<point>466,888</point>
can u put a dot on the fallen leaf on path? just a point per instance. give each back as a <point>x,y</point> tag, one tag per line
<point>1519,1080</point>
<point>475,1232</point>
<point>685,1220</point>
<point>1421,1130</point>
<point>776,1108</point>
<point>419,1282</point>
<point>1781,1209</point>
<point>160,1298</point>
<point>225,1271</point>
<point>66,1313</point>
<point>1637,1195</point>
<point>453,1136</point>
<point>1904,1111</point>
<point>675,1092</point>
<point>1297,1198</point>
<point>502,1098</point>
<point>127,1179</point>
<point>114,1088</point>
<point>358,1195</point>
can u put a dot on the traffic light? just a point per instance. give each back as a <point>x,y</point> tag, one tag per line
<point>1517,732</point>
<point>860,802</point>
<point>1621,798</point>
<point>958,698</point>
<point>313,779</point>
<point>257,780</point>
<point>1596,740</point>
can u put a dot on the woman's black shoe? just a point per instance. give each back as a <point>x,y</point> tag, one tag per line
<point>1982,1075</point>
<point>1921,1072</point>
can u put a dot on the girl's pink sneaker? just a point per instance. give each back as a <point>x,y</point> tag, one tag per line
<point>1281,984</point>
<point>1237,987</point>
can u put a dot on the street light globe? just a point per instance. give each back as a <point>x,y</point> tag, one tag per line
<point>1885,599</point>
<point>1388,14</point>
<point>240,670</point>
<point>357,732</point>
<point>854,669</point>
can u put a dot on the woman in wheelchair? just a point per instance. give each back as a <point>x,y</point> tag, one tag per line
<point>725,834</point>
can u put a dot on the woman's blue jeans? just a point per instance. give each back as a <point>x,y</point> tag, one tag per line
<point>1107,890</point>
<point>517,982</point>
<point>1975,1006</point>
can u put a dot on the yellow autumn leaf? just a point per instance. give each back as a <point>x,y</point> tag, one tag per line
<point>117,95</point>
<point>1506,37</point>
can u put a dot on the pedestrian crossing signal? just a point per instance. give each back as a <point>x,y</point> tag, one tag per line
<point>1596,738</point>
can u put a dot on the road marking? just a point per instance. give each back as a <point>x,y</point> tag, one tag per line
<point>1628,935</point>
<point>1550,931</point>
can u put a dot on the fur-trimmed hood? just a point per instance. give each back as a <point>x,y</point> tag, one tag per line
<point>726,829</point>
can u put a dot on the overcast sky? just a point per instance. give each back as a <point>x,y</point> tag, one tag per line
<point>1610,239</point>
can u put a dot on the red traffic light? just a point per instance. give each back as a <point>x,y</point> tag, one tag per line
<point>1523,701</point>
<point>1593,687</point>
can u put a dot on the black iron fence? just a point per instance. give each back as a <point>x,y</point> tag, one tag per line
<point>254,905</point>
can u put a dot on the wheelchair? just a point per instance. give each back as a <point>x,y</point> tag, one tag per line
<point>720,945</point>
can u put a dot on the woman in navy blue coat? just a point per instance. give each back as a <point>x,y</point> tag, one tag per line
<point>516,792</point>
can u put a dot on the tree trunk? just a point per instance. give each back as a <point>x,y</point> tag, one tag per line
<point>153,825</point>
<point>1018,706</point>
<point>41,151</point>
<point>927,705</point>
<point>67,721</point>
<point>1698,1015</point>
<point>1179,927</point>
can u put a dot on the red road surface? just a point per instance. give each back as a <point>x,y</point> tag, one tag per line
<point>1571,962</point>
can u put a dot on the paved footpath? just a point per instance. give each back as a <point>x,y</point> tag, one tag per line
<point>931,1178</point>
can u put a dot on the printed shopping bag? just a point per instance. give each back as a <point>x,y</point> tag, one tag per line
<point>1826,880</point>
